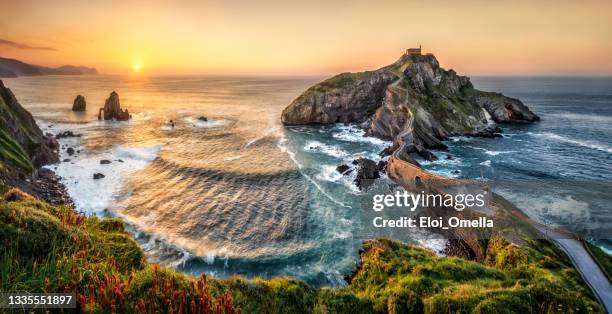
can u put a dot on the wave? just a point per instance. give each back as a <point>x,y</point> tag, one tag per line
<point>493,152</point>
<point>95,196</point>
<point>282,146</point>
<point>209,123</point>
<point>583,143</point>
<point>582,117</point>
<point>326,149</point>
<point>351,133</point>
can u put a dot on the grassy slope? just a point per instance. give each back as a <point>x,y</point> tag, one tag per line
<point>604,260</point>
<point>48,248</point>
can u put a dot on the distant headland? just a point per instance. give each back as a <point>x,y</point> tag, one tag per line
<point>16,68</point>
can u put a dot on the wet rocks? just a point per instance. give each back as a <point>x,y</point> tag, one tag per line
<point>203,118</point>
<point>112,109</point>
<point>343,168</point>
<point>70,151</point>
<point>79,103</point>
<point>98,176</point>
<point>105,162</point>
<point>382,166</point>
<point>367,171</point>
<point>66,134</point>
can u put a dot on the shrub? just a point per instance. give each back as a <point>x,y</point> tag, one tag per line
<point>404,302</point>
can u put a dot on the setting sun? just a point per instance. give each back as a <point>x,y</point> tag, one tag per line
<point>136,67</point>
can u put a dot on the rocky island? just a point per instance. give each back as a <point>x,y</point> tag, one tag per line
<point>412,101</point>
<point>79,103</point>
<point>112,109</point>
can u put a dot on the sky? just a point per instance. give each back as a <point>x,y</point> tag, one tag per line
<point>309,37</point>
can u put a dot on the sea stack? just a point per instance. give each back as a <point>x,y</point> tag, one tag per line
<point>79,103</point>
<point>112,109</point>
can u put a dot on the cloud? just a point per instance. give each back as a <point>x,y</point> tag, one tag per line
<point>12,44</point>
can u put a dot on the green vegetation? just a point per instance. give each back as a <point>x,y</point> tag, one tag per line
<point>524,283</point>
<point>53,249</point>
<point>342,80</point>
<point>602,258</point>
<point>15,120</point>
<point>12,152</point>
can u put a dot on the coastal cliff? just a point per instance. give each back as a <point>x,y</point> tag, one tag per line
<point>24,149</point>
<point>23,146</point>
<point>439,102</point>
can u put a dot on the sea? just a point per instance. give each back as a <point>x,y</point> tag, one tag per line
<point>237,193</point>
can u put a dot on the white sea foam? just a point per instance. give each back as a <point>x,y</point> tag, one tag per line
<point>282,146</point>
<point>94,196</point>
<point>486,163</point>
<point>329,173</point>
<point>436,245</point>
<point>565,208</point>
<point>209,123</point>
<point>493,152</point>
<point>350,133</point>
<point>315,146</point>
<point>584,143</point>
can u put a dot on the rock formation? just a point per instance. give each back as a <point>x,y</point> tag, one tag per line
<point>112,109</point>
<point>79,103</point>
<point>24,149</point>
<point>413,101</point>
<point>367,171</point>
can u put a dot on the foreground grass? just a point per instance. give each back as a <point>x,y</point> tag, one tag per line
<point>52,249</point>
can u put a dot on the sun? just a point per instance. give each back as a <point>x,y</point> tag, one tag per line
<point>136,67</point>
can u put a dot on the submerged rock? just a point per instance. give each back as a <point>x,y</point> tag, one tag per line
<point>79,103</point>
<point>105,162</point>
<point>112,109</point>
<point>70,151</point>
<point>97,176</point>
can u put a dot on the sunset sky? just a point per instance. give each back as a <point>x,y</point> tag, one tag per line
<point>309,37</point>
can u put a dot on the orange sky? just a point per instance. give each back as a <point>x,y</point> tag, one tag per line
<point>310,37</point>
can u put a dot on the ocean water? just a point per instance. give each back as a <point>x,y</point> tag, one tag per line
<point>237,194</point>
<point>241,194</point>
<point>558,170</point>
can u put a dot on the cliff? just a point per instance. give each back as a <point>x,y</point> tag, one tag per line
<point>23,146</point>
<point>415,87</point>
<point>24,149</point>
